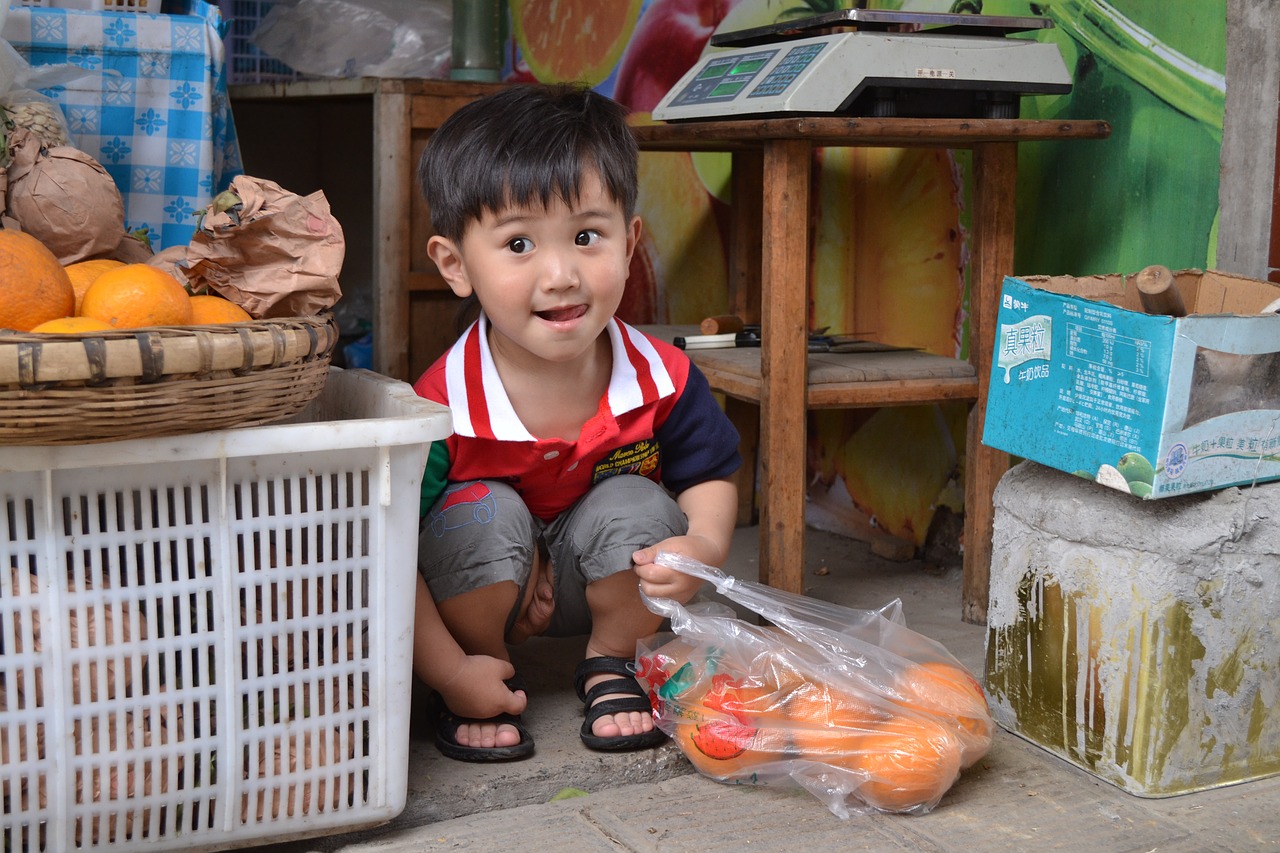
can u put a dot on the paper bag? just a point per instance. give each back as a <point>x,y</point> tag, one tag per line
<point>274,253</point>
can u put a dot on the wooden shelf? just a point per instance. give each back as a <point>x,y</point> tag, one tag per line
<point>839,380</point>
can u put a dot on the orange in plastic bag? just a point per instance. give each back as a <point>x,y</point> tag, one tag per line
<point>908,764</point>
<point>732,731</point>
<point>954,696</point>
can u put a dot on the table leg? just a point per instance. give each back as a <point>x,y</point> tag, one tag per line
<point>995,169</point>
<point>784,354</point>
<point>393,182</point>
<point>744,242</point>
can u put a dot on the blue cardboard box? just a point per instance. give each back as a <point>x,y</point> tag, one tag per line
<point>1084,381</point>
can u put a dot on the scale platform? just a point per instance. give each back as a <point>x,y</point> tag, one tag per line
<point>860,62</point>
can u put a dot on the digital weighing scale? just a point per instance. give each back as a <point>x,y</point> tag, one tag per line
<point>883,63</point>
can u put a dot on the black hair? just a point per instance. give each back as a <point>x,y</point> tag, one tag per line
<point>526,144</point>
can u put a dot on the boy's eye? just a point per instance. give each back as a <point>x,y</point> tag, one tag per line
<point>587,238</point>
<point>519,245</point>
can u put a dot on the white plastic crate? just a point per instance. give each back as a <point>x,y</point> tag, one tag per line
<point>207,639</point>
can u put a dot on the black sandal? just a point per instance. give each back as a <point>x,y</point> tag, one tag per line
<point>445,723</point>
<point>635,700</point>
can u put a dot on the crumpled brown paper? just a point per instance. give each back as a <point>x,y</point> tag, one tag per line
<point>64,198</point>
<point>274,253</point>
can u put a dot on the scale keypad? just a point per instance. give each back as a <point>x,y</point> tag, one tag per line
<point>784,74</point>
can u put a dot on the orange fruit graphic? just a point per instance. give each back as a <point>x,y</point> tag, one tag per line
<point>207,310</point>
<point>908,765</point>
<point>72,326</point>
<point>137,295</point>
<point>85,273</point>
<point>573,41</point>
<point>33,285</point>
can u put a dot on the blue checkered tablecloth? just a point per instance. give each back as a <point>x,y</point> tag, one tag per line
<point>162,126</point>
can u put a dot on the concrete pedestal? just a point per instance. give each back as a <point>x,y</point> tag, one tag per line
<point>1137,639</point>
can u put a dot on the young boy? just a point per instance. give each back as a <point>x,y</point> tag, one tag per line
<point>581,447</point>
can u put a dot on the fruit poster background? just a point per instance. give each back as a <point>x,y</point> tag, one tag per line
<point>891,225</point>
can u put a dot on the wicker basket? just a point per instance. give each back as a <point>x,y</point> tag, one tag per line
<point>107,386</point>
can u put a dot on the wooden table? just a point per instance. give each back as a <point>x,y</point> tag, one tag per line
<point>769,249</point>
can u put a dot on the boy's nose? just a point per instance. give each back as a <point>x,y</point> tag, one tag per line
<point>560,271</point>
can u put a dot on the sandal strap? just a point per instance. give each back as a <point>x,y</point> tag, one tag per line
<point>628,686</point>
<point>604,665</point>
<point>617,706</point>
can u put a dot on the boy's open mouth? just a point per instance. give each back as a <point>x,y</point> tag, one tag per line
<point>560,315</point>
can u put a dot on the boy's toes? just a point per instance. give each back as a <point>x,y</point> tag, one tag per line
<point>487,735</point>
<point>500,738</point>
<point>625,724</point>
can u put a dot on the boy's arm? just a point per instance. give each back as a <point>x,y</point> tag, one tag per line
<point>434,477</point>
<point>711,508</point>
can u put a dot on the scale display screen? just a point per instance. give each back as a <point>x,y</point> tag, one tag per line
<point>724,78</point>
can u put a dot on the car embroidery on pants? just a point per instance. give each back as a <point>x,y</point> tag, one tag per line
<point>468,504</point>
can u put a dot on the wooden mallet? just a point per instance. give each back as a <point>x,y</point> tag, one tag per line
<point>1158,293</point>
<point>721,324</point>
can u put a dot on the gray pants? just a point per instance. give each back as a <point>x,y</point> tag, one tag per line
<point>480,533</point>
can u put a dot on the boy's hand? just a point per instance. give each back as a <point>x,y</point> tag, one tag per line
<point>477,689</point>
<point>710,508</point>
<point>661,582</point>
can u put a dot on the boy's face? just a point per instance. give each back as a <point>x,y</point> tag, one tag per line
<point>548,279</point>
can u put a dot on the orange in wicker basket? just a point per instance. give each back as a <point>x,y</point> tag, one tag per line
<point>71,326</point>
<point>33,285</point>
<point>135,296</point>
<point>208,310</point>
<point>85,273</point>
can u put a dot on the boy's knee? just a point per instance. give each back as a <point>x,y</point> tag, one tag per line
<point>477,534</point>
<point>630,499</point>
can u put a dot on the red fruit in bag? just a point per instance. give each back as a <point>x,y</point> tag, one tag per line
<point>720,740</point>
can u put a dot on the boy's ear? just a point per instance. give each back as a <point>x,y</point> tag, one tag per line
<point>633,236</point>
<point>448,259</point>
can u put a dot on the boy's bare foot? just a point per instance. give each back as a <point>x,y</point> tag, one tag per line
<point>486,734</point>
<point>502,737</point>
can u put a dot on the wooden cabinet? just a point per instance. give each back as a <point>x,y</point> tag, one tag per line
<point>411,307</point>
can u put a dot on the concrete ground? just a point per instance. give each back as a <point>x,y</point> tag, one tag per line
<point>1018,797</point>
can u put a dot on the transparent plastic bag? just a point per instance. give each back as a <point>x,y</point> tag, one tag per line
<point>851,705</point>
<point>360,38</point>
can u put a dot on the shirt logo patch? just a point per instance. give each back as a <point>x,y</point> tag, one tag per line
<point>641,458</point>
